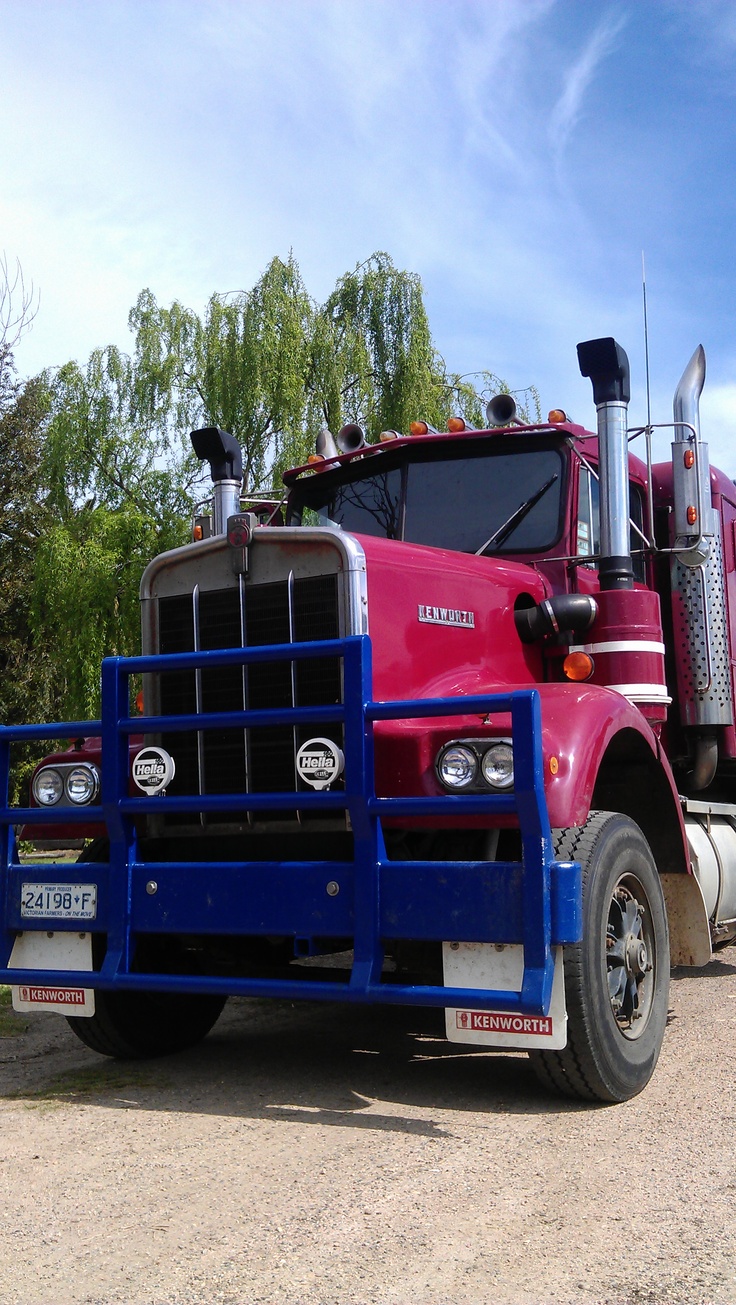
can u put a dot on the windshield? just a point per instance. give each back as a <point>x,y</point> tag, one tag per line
<point>467,499</point>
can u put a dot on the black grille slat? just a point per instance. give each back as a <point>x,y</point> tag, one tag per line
<point>220,626</point>
<point>178,693</point>
<point>303,609</point>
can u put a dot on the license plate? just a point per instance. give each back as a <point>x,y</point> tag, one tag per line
<point>58,901</point>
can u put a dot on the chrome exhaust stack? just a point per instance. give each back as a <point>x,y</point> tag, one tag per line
<point>607,366</point>
<point>698,584</point>
<point>694,517</point>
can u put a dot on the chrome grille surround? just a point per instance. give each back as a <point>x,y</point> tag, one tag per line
<point>302,584</point>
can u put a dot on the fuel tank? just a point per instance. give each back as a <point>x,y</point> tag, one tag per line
<point>711,833</point>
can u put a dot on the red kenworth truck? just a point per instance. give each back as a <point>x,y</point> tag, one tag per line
<point>454,728</point>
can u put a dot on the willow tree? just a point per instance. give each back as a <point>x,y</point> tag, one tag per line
<point>269,364</point>
<point>243,365</point>
<point>23,520</point>
<point>118,489</point>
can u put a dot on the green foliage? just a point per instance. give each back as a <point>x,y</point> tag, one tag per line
<point>243,366</point>
<point>391,372</point>
<point>97,474</point>
<point>23,518</point>
<point>88,571</point>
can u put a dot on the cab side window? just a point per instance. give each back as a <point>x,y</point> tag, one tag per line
<point>589,518</point>
<point>589,523</point>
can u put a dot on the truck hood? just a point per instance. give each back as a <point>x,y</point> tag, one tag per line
<point>443,622</point>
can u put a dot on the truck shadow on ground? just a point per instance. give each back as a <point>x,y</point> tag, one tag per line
<point>716,969</point>
<point>316,1065</point>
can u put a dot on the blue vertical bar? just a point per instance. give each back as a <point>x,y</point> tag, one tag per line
<point>367,837</point>
<point>120,828</point>
<point>536,837</point>
<point>7,843</point>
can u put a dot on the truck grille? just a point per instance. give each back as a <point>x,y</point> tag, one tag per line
<point>260,760</point>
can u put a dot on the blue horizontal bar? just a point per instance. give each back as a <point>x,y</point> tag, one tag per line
<point>57,815</point>
<point>422,900</point>
<point>211,720</point>
<point>270,652</point>
<point>389,994</point>
<point>290,799</point>
<point>67,729</point>
<point>477,704</point>
<point>456,804</point>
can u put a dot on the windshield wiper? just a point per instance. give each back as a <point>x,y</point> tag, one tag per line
<point>501,535</point>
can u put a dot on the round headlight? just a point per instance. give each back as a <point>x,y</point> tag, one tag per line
<point>81,785</point>
<point>498,766</point>
<point>48,787</point>
<point>457,766</point>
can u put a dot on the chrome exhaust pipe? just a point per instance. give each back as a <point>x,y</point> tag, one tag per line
<point>691,483</point>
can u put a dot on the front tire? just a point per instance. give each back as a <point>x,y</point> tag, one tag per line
<point>617,978</point>
<point>140,1025</point>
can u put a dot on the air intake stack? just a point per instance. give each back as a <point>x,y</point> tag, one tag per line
<point>607,365</point>
<point>627,634</point>
<point>223,453</point>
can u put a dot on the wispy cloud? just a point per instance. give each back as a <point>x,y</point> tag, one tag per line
<point>183,143</point>
<point>567,111</point>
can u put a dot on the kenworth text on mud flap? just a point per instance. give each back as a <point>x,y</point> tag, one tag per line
<point>454,729</point>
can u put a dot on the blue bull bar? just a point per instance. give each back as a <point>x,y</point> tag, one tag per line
<point>535,902</point>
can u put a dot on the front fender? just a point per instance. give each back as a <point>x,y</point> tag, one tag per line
<point>600,752</point>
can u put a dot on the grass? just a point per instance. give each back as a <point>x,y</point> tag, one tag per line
<point>77,1084</point>
<point>58,856</point>
<point>11,1023</point>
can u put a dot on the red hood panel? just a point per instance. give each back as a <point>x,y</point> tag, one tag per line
<point>443,623</point>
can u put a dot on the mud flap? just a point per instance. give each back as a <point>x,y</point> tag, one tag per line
<point>500,967</point>
<point>34,950</point>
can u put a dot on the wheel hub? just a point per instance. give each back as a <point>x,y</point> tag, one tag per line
<point>629,947</point>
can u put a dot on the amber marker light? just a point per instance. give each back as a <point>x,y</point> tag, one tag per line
<point>692,515</point>
<point>455,425</point>
<point>557,415</point>
<point>139,702</point>
<point>578,666</point>
<point>197,534</point>
<point>688,458</point>
<point>554,765</point>
<point>418,428</point>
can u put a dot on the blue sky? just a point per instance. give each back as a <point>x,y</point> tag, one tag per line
<point>518,154</point>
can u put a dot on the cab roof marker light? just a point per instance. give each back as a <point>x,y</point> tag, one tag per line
<point>557,416</point>
<point>422,428</point>
<point>455,425</point>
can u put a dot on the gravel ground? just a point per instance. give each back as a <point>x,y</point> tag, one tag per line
<point>325,1156</point>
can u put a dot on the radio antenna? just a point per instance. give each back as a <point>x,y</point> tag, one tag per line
<point>646,341</point>
<point>649,406</point>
